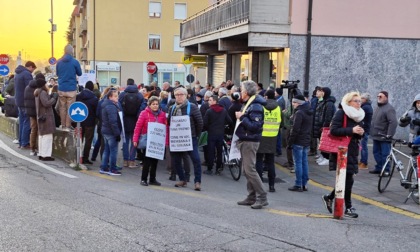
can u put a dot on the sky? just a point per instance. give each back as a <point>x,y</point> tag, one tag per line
<point>24,26</point>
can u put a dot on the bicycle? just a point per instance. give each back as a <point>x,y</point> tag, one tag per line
<point>409,179</point>
<point>235,164</point>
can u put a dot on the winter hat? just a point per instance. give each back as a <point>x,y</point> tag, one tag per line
<point>270,94</point>
<point>299,99</point>
<point>279,91</point>
<point>385,93</point>
<point>235,96</point>
<point>327,92</point>
<point>39,76</point>
<point>89,85</point>
<point>40,82</point>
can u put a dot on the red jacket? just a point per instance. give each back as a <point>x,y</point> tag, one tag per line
<point>147,116</point>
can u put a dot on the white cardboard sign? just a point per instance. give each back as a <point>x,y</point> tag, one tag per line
<point>156,138</point>
<point>180,134</point>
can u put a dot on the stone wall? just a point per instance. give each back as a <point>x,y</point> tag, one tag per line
<point>364,64</point>
<point>64,143</point>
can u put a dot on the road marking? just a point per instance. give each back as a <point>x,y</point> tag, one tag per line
<point>362,198</point>
<point>294,214</point>
<point>97,174</point>
<point>13,152</point>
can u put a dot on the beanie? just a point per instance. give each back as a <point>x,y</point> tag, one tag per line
<point>279,91</point>
<point>299,99</point>
<point>89,85</point>
<point>385,93</point>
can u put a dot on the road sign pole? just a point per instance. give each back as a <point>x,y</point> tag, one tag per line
<point>340,183</point>
<point>78,133</point>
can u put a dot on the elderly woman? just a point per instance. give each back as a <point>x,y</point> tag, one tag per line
<point>350,109</point>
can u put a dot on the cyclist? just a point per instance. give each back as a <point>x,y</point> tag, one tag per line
<point>412,118</point>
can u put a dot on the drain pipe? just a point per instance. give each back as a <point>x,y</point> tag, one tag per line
<point>308,46</point>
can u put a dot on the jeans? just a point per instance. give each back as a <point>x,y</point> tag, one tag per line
<point>381,150</point>
<point>214,142</point>
<point>278,145</point>
<point>266,159</point>
<point>364,152</point>
<point>129,151</point>
<point>109,158</point>
<point>24,127</point>
<point>97,146</point>
<point>300,156</point>
<point>177,158</point>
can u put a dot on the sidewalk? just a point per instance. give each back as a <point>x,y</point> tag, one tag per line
<point>365,184</point>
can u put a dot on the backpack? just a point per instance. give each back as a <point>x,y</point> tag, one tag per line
<point>131,104</point>
<point>11,110</point>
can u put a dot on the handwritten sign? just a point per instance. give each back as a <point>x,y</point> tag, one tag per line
<point>180,134</point>
<point>86,77</point>
<point>156,137</point>
<point>234,151</point>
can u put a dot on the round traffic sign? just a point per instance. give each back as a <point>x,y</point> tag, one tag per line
<point>190,78</point>
<point>4,70</point>
<point>52,61</point>
<point>4,59</point>
<point>151,67</point>
<point>78,111</point>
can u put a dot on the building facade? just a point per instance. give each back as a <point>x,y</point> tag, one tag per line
<point>346,45</point>
<point>116,39</point>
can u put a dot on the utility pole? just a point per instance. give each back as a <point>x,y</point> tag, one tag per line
<point>53,29</point>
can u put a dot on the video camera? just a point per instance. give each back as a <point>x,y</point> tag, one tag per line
<point>292,86</point>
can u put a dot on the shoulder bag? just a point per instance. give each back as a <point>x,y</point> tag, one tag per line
<point>330,143</point>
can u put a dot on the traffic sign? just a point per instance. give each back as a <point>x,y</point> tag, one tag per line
<point>191,59</point>
<point>4,59</point>
<point>52,61</point>
<point>190,78</point>
<point>4,70</point>
<point>78,112</point>
<point>151,67</point>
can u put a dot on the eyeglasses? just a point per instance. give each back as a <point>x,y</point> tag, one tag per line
<point>179,94</point>
<point>357,101</point>
<point>380,96</point>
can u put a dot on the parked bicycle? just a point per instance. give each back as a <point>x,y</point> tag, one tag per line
<point>409,177</point>
<point>233,165</point>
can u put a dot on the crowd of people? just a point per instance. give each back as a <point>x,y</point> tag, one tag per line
<point>255,116</point>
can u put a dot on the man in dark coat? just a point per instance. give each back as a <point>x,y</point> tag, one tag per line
<point>88,126</point>
<point>267,148</point>
<point>367,107</point>
<point>29,101</point>
<point>22,78</point>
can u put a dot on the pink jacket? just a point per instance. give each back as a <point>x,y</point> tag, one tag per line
<point>147,116</point>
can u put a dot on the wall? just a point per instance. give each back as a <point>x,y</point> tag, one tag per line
<point>364,64</point>
<point>373,18</point>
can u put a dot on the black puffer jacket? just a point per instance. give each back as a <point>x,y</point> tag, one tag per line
<point>29,99</point>
<point>324,113</point>
<point>300,133</point>
<point>215,119</point>
<point>91,102</point>
<point>196,120</point>
<point>252,121</point>
<point>337,129</point>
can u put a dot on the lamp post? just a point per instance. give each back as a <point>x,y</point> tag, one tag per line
<point>53,29</point>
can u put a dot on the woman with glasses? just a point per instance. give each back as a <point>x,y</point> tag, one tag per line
<point>350,111</point>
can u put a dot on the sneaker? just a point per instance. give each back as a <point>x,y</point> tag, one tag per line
<point>327,202</point>
<point>319,158</point>
<point>271,188</point>
<point>246,202</point>
<point>15,141</point>
<point>363,166</point>
<point>385,174</point>
<point>132,164</point>
<point>351,213</point>
<point>86,161</point>
<point>103,171</point>
<point>374,172</point>
<point>154,182</point>
<point>125,163</point>
<point>118,168</point>
<point>114,173</point>
<point>197,186</point>
<point>48,159</point>
<point>259,204</point>
<point>324,162</point>
<point>32,153</point>
<point>305,188</point>
<point>144,183</point>
<point>295,189</point>
<point>292,170</point>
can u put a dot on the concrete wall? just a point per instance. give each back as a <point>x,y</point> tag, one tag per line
<point>64,143</point>
<point>363,64</point>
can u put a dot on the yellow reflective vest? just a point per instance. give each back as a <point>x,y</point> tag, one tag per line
<point>272,120</point>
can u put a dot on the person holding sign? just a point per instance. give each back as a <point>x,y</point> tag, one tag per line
<point>185,123</point>
<point>151,114</point>
<point>249,132</point>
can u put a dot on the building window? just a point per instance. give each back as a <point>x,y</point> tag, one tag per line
<point>177,48</point>
<point>155,9</point>
<point>154,42</point>
<point>180,11</point>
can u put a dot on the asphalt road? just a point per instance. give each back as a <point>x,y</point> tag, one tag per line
<point>42,210</point>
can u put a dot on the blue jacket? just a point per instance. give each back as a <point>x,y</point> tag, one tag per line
<point>252,121</point>
<point>91,102</point>
<point>111,124</point>
<point>130,121</point>
<point>22,79</point>
<point>67,69</point>
<point>367,107</point>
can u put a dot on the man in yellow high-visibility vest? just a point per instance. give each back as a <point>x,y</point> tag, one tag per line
<point>267,148</point>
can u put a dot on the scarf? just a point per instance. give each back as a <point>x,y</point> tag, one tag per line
<point>178,108</point>
<point>353,113</point>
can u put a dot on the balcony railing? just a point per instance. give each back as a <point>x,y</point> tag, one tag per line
<point>216,17</point>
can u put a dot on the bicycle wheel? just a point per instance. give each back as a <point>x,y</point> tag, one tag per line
<point>235,168</point>
<point>384,180</point>
<point>412,178</point>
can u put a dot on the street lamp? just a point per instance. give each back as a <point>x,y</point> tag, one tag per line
<point>53,29</point>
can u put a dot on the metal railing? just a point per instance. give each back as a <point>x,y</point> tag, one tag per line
<point>216,17</point>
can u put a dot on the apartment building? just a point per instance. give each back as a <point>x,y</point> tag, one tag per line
<point>116,39</point>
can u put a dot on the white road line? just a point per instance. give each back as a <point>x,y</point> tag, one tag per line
<point>11,151</point>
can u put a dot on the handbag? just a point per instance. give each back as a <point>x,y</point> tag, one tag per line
<point>202,140</point>
<point>143,142</point>
<point>329,143</point>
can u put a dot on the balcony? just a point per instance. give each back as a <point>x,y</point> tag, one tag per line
<point>258,23</point>
<point>83,54</point>
<point>83,26</point>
